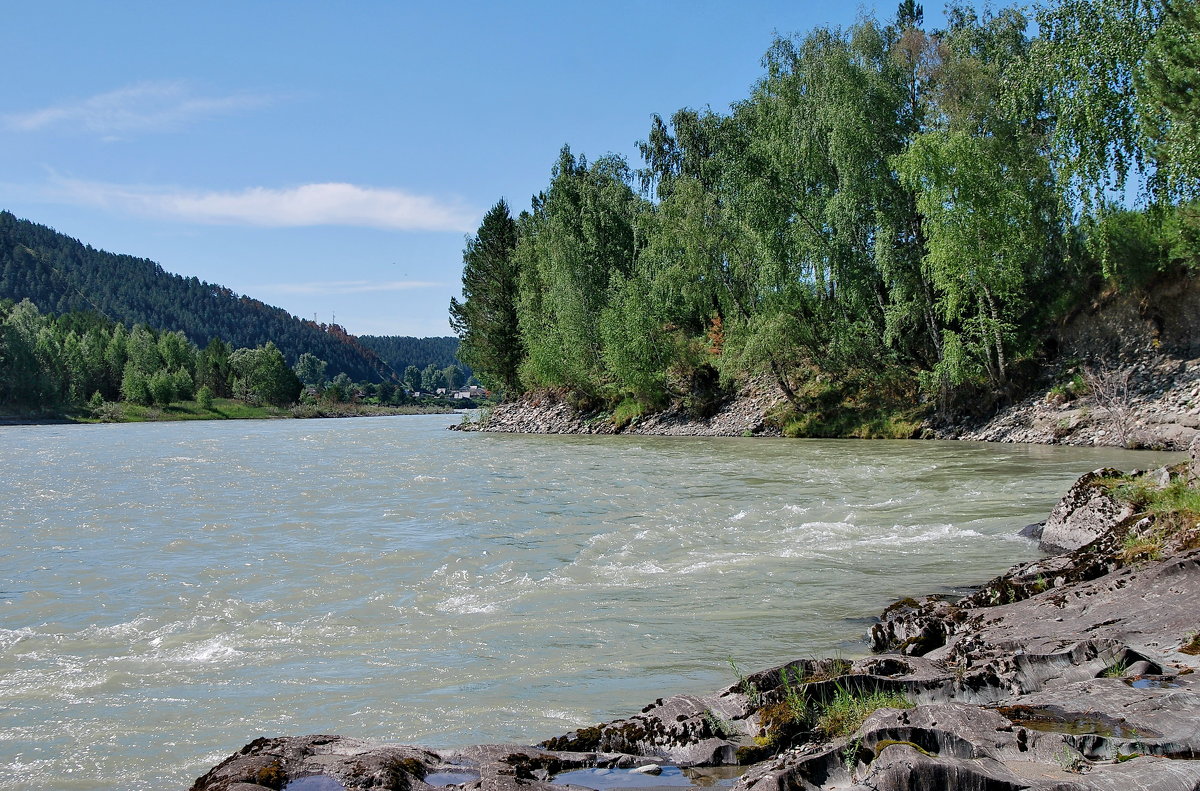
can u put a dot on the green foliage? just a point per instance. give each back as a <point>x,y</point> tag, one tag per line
<point>859,404</point>
<point>401,351</point>
<point>310,369</point>
<point>1131,246</point>
<point>576,239</point>
<point>720,727</point>
<point>626,411</point>
<point>486,320</point>
<point>161,388</point>
<point>135,386</point>
<point>263,376</point>
<point>1118,669</point>
<point>1169,86</point>
<point>1174,508</point>
<point>61,275</point>
<point>848,710</point>
<point>745,685</point>
<point>886,204</point>
<point>1083,68</point>
<point>204,397</point>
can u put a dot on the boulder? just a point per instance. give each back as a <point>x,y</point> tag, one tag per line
<point>1084,513</point>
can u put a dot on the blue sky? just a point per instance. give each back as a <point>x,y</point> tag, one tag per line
<point>330,158</point>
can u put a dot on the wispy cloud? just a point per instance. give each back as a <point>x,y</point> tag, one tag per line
<point>156,106</point>
<point>344,286</point>
<point>306,205</point>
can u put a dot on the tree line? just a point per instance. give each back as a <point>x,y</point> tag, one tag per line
<point>892,210</point>
<point>83,359</point>
<point>401,351</point>
<point>60,275</point>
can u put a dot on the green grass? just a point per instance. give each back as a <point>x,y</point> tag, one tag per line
<point>1118,669</point>
<point>861,405</point>
<point>1175,508</point>
<point>232,409</point>
<point>222,409</point>
<point>847,711</point>
<point>626,411</point>
<point>870,424</point>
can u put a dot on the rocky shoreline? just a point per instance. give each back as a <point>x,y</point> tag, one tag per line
<point>1075,671</point>
<point>550,412</point>
<point>1127,373</point>
<point>1158,408</point>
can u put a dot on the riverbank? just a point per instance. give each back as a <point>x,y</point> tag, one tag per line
<point>549,412</point>
<point>221,409</point>
<point>1159,409</point>
<point>1153,403</point>
<point>1075,671</point>
<point>1126,373</point>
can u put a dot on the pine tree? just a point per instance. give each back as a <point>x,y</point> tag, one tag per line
<point>486,320</point>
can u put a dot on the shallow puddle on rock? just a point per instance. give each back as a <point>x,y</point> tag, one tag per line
<point>1153,683</point>
<point>671,776</point>
<point>314,783</point>
<point>452,777</point>
<point>715,776</point>
<point>1055,720</point>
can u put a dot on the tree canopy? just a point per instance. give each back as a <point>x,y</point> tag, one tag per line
<point>889,203</point>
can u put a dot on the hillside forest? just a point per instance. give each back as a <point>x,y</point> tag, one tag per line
<point>889,223</point>
<point>81,327</point>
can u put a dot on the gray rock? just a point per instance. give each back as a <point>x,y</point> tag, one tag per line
<point>1193,473</point>
<point>1084,513</point>
<point>1160,477</point>
<point>1033,531</point>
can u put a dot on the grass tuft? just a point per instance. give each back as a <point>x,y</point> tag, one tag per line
<point>847,711</point>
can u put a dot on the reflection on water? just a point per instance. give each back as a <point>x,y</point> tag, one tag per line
<point>169,592</point>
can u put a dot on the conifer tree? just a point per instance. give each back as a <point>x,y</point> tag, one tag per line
<point>486,319</point>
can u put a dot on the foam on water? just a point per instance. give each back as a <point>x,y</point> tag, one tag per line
<point>169,592</point>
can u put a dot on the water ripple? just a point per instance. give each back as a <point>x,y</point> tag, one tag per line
<point>169,592</point>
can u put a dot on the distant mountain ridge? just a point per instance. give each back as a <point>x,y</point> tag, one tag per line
<point>60,274</point>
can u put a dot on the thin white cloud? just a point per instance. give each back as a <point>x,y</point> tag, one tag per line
<point>156,106</point>
<point>344,286</point>
<point>306,205</point>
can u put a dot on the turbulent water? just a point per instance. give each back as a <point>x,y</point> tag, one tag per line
<point>169,592</point>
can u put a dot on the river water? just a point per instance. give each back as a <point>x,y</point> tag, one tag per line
<point>171,591</point>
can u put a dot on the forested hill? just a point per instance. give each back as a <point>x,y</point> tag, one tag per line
<point>60,274</point>
<point>401,351</point>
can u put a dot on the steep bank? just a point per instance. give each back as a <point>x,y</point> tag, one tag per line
<point>1127,373</point>
<point>1076,671</point>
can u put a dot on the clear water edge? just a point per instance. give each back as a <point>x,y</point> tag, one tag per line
<point>169,592</point>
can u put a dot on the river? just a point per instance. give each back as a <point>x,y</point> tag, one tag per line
<point>171,591</point>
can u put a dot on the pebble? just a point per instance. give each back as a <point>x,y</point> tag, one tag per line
<point>648,769</point>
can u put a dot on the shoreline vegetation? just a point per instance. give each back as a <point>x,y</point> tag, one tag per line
<point>894,229</point>
<point>1075,671</point>
<point>85,367</point>
<point>220,409</point>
